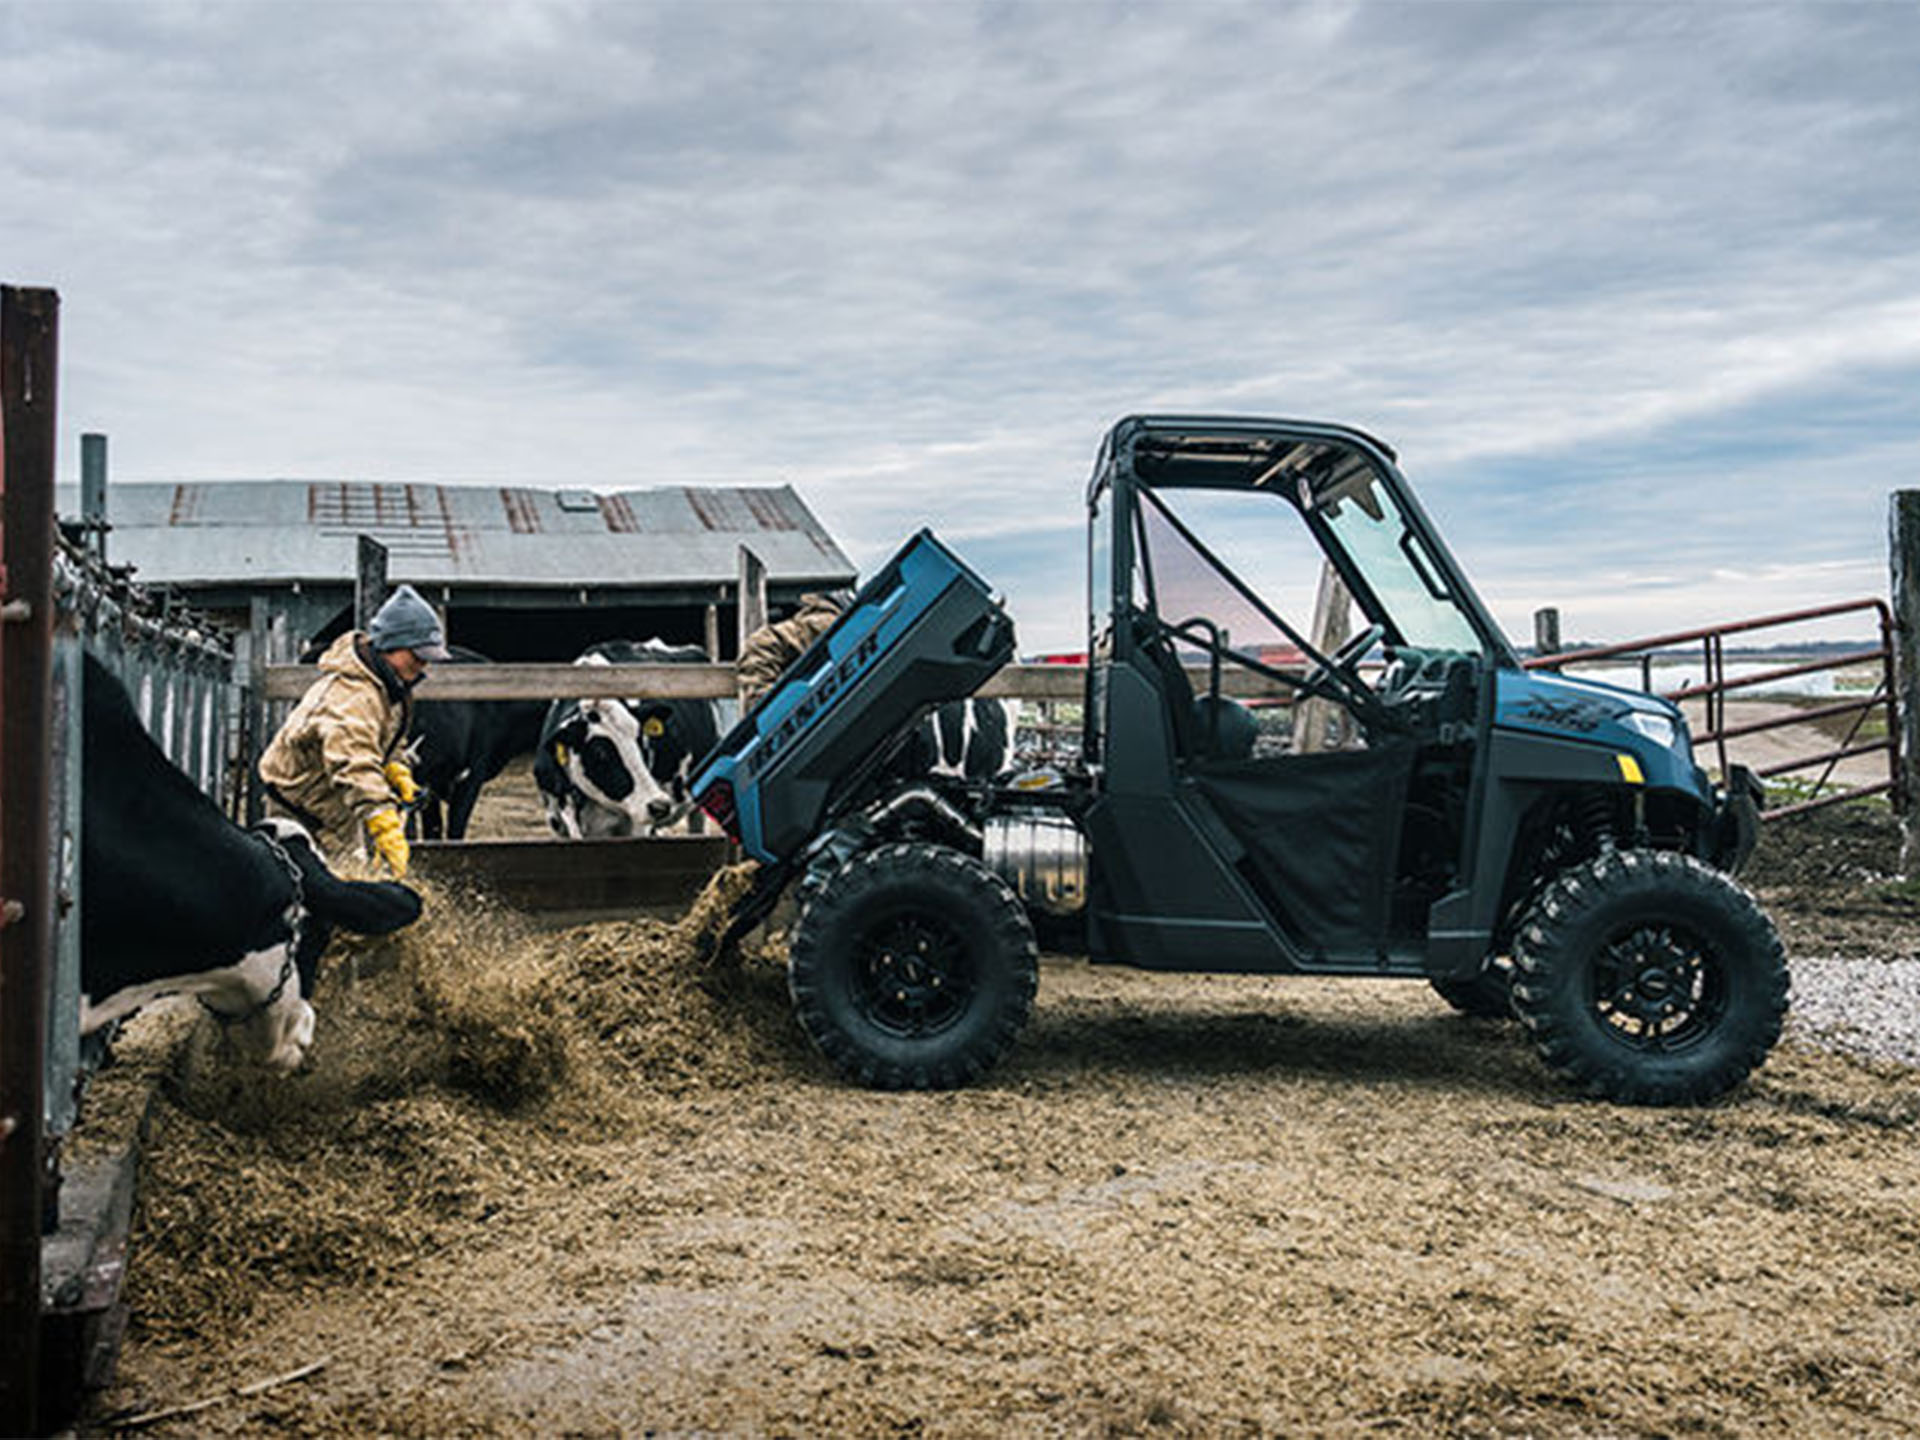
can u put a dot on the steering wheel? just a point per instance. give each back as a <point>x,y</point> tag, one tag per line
<point>1336,678</point>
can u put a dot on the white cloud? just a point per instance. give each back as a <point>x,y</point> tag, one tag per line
<point>914,258</point>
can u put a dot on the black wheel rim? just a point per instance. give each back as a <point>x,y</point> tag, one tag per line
<point>913,973</point>
<point>1659,988</point>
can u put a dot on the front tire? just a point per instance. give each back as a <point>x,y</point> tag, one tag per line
<point>1649,978</point>
<point>913,967</point>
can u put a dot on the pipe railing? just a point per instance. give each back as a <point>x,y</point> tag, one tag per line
<point>1717,684</point>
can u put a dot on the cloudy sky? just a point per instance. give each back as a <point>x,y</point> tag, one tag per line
<point>1633,289</point>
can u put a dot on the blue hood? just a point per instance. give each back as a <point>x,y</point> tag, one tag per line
<point>1590,712</point>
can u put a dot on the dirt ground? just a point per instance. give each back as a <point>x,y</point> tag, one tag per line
<point>587,1183</point>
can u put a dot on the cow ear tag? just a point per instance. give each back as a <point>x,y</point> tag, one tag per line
<point>559,752</point>
<point>654,728</point>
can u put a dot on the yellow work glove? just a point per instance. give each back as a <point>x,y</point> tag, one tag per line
<point>389,834</point>
<point>400,777</point>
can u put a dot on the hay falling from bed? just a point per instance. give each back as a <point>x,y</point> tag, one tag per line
<point>439,1051</point>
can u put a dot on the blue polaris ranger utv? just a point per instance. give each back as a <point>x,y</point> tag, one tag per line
<point>1526,843</point>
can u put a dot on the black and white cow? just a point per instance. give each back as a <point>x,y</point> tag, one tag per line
<point>967,739</point>
<point>178,900</point>
<point>620,767</point>
<point>460,745</point>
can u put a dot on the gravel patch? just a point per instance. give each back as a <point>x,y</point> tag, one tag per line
<point>1861,1007</point>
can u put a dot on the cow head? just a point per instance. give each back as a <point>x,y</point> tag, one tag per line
<point>276,1025</point>
<point>627,763</point>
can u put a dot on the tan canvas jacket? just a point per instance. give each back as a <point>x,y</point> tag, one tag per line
<point>328,757</point>
<point>772,648</point>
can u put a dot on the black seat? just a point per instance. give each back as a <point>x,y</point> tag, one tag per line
<point>1225,729</point>
<point>1205,727</point>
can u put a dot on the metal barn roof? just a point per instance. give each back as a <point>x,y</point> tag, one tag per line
<point>265,532</point>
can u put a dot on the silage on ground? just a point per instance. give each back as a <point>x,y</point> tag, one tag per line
<point>437,1049</point>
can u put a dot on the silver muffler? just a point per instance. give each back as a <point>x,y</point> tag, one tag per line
<point>1043,857</point>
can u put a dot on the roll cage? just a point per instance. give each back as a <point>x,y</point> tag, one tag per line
<point>1316,469</point>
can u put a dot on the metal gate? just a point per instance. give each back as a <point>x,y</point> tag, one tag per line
<point>1873,724</point>
<point>60,602</point>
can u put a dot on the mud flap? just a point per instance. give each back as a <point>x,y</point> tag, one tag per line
<point>1736,828</point>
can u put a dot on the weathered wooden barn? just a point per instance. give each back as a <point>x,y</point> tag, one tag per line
<point>522,573</point>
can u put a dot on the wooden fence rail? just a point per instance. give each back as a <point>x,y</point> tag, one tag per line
<point>710,682</point>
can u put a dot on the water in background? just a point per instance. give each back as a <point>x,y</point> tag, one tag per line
<point>1674,673</point>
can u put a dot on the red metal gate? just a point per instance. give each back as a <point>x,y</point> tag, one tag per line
<point>1716,684</point>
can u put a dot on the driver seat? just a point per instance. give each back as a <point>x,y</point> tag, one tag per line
<point>1203,727</point>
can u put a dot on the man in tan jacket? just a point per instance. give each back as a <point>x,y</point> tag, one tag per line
<point>335,765</point>
<point>771,648</point>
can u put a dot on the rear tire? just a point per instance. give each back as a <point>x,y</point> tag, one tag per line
<point>1649,978</point>
<point>912,968</point>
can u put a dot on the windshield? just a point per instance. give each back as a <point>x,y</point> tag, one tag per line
<point>1366,522</point>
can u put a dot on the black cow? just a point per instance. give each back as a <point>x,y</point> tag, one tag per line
<point>620,767</point>
<point>176,899</point>
<point>460,745</point>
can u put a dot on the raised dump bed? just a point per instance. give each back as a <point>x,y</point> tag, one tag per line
<point>924,630</point>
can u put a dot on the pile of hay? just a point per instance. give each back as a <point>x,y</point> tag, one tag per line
<point>443,1054</point>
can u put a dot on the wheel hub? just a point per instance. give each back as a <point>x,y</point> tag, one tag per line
<point>1657,988</point>
<point>913,979</point>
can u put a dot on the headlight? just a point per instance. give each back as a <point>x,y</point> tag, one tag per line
<point>1658,728</point>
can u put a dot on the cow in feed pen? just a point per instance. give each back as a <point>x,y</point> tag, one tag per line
<point>460,745</point>
<point>616,767</point>
<point>965,739</point>
<point>176,899</point>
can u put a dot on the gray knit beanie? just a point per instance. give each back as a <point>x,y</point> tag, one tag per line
<point>406,622</point>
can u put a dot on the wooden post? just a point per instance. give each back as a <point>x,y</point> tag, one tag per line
<point>1904,556</point>
<point>1546,631</point>
<point>369,580</point>
<point>1321,724</point>
<point>93,492</point>
<point>254,711</point>
<point>29,366</point>
<point>753,598</point>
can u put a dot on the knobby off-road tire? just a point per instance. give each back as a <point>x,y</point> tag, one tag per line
<point>912,968</point>
<point>1487,996</point>
<point>1650,978</point>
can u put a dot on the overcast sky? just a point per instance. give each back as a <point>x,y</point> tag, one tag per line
<point>1634,290</point>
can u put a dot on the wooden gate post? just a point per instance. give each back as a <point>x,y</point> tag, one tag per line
<point>1321,724</point>
<point>29,356</point>
<point>1904,557</point>
<point>93,493</point>
<point>369,579</point>
<point>751,613</point>
<point>1546,630</point>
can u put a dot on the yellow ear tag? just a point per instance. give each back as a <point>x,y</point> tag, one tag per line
<point>654,728</point>
<point>559,752</point>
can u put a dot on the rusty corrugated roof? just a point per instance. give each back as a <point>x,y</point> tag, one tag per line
<point>262,531</point>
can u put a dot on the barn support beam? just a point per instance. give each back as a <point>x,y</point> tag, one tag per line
<point>369,580</point>
<point>752,609</point>
<point>29,358</point>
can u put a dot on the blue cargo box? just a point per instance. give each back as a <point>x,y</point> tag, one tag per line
<point>924,630</point>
